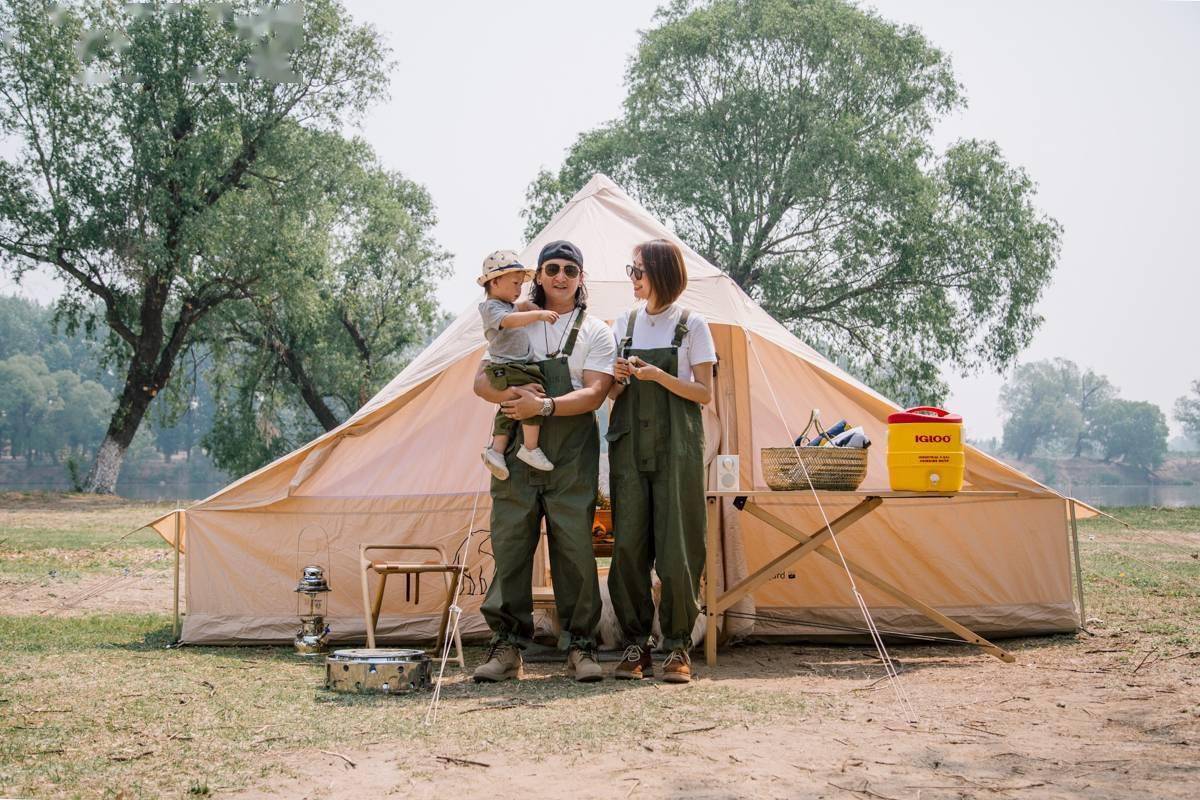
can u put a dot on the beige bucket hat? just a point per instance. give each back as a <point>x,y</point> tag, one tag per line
<point>501,262</point>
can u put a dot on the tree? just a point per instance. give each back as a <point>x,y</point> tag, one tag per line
<point>44,414</point>
<point>28,328</point>
<point>21,326</point>
<point>352,293</point>
<point>191,416</point>
<point>1187,412</point>
<point>1090,391</point>
<point>1133,432</point>
<point>1037,408</point>
<point>1052,405</point>
<point>129,188</point>
<point>48,403</point>
<point>789,142</point>
<point>25,395</point>
<point>87,407</point>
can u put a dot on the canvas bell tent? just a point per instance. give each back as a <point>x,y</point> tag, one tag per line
<point>405,469</point>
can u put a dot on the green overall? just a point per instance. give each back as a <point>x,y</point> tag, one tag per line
<point>656,457</point>
<point>504,374</point>
<point>566,496</point>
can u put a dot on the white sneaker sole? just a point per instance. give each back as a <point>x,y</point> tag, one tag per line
<point>544,466</point>
<point>499,470</point>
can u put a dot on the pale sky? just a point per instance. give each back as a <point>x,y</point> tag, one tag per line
<point>1098,101</point>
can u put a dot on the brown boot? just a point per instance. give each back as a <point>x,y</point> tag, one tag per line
<point>582,665</point>
<point>504,661</point>
<point>635,664</point>
<point>677,667</point>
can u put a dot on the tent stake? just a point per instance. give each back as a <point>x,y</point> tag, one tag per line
<point>175,626</point>
<point>1078,567</point>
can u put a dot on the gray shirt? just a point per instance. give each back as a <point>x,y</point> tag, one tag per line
<point>504,344</point>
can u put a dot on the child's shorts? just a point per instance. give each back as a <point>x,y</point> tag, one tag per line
<point>512,373</point>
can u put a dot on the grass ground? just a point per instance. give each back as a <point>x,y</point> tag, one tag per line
<point>93,705</point>
<point>1145,579</point>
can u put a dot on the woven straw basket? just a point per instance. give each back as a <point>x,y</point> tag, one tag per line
<point>838,469</point>
<point>834,468</point>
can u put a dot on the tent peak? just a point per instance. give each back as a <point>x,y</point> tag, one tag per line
<point>599,182</point>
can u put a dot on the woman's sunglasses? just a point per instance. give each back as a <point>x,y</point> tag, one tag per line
<point>634,272</point>
<point>570,270</point>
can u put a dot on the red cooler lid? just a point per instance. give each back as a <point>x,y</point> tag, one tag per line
<point>924,414</point>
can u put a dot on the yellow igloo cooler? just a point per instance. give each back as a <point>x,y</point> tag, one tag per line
<point>925,450</point>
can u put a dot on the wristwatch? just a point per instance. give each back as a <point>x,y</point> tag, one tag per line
<point>547,406</point>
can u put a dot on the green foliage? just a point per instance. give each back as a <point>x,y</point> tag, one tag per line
<point>1133,432</point>
<point>789,142</point>
<point>350,295</point>
<point>44,413</point>
<point>185,408</point>
<point>28,328</point>
<point>75,473</point>
<point>133,190</point>
<point>1051,407</point>
<point>1187,412</point>
<point>74,396</point>
<point>253,428</point>
<point>21,326</point>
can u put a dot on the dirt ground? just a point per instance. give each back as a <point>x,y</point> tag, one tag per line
<point>141,585</point>
<point>1064,721</point>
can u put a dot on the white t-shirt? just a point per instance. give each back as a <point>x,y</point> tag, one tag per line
<point>658,330</point>
<point>594,347</point>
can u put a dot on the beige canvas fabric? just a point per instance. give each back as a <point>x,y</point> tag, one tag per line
<point>405,468</point>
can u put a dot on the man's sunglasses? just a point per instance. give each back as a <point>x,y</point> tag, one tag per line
<point>570,270</point>
<point>634,272</point>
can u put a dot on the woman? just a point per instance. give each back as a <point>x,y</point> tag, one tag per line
<point>575,355</point>
<point>664,372</point>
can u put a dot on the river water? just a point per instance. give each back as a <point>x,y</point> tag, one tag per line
<point>1170,496</point>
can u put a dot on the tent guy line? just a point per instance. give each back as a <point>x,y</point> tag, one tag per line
<point>889,666</point>
<point>451,637</point>
<point>455,611</point>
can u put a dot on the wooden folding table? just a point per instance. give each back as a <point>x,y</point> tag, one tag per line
<point>818,542</point>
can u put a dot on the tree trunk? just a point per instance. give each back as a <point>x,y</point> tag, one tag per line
<point>102,478</point>
<point>308,390</point>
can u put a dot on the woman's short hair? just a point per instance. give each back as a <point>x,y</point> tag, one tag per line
<point>663,262</point>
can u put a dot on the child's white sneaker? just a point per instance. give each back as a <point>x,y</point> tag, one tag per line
<point>535,458</point>
<point>495,463</point>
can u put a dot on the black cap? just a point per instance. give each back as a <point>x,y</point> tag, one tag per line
<point>561,249</point>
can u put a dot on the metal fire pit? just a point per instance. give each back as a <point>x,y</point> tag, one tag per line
<point>377,671</point>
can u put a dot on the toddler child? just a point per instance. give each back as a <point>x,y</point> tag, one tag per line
<point>504,323</point>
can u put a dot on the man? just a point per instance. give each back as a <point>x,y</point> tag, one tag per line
<point>575,355</point>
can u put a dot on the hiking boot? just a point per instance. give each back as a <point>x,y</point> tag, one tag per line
<point>535,458</point>
<point>677,668</point>
<point>635,664</point>
<point>503,662</point>
<point>582,665</point>
<point>495,463</point>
